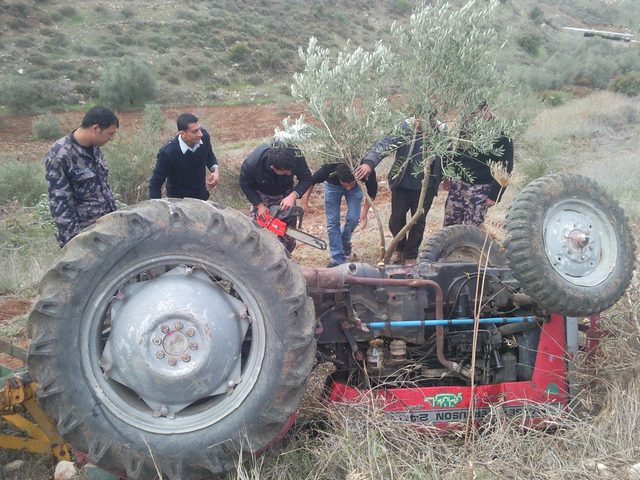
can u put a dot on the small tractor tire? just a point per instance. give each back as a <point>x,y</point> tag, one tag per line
<point>463,243</point>
<point>115,300</point>
<point>569,244</point>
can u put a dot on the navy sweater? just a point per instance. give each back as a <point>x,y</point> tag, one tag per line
<point>184,172</point>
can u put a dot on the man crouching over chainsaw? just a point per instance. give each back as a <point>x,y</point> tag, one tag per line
<point>266,178</point>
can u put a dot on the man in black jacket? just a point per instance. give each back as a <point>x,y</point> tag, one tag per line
<point>266,178</point>
<point>182,162</point>
<point>405,182</point>
<point>474,188</point>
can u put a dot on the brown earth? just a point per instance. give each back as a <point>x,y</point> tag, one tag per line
<point>227,124</point>
<point>11,308</point>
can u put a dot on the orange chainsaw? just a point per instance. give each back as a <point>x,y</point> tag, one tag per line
<point>287,222</point>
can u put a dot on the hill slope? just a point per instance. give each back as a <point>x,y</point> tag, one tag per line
<point>200,52</point>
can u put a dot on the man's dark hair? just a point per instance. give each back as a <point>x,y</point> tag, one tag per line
<point>282,158</point>
<point>345,174</point>
<point>101,116</point>
<point>184,119</point>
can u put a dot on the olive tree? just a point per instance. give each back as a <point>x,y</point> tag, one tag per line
<point>442,62</point>
<point>348,97</point>
<point>447,68</point>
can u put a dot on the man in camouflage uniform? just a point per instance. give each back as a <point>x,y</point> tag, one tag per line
<point>76,175</point>
<point>475,189</point>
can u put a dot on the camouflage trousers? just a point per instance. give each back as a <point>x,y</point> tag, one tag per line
<point>466,204</point>
<point>269,200</point>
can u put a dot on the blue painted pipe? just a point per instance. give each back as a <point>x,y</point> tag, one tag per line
<point>455,321</point>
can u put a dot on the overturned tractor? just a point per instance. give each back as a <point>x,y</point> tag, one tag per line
<point>175,335</point>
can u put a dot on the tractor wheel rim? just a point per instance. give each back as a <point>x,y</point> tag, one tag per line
<point>580,242</point>
<point>178,338</point>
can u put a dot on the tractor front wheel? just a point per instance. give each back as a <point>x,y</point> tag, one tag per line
<point>570,245</point>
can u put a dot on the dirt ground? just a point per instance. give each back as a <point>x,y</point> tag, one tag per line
<point>227,124</point>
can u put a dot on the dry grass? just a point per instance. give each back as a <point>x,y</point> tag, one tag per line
<point>595,135</point>
<point>584,117</point>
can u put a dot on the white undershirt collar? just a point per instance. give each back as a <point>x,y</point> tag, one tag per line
<point>184,147</point>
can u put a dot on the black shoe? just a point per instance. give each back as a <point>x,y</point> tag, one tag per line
<point>346,246</point>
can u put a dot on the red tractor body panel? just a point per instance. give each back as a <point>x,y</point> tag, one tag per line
<point>445,406</point>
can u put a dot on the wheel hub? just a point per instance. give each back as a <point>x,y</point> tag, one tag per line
<point>175,339</point>
<point>574,236</point>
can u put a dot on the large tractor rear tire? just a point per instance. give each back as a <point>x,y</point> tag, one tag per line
<point>463,243</point>
<point>171,338</point>
<point>570,245</point>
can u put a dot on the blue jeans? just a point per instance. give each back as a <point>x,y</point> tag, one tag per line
<point>338,235</point>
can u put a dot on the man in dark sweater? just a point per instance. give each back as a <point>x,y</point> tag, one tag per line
<point>339,182</point>
<point>474,188</point>
<point>182,162</point>
<point>266,178</point>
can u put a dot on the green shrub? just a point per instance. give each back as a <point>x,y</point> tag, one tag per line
<point>255,79</point>
<point>18,24</point>
<point>27,248</point>
<point>86,89</point>
<point>23,95</point>
<point>153,118</point>
<point>68,11</point>
<point>128,12</point>
<point>127,82</point>
<point>131,159</point>
<point>24,42</point>
<point>191,73</point>
<point>530,43</point>
<point>273,58</point>
<point>21,181</point>
<point>19,9</point>
<point>536,15</point>
<point>124,39</point>
<point>628,84</point>
<point>185,15</point>
<point>46,128</point>
<point>222,80</point>
<point>38,59</point>
<point>239,52</point>
<point>158,43</point>
<point>90,51</point>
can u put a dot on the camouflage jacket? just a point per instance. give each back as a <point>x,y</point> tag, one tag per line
<point>77,185</point>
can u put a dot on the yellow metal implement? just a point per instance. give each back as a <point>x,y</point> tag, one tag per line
<point>40,436</point>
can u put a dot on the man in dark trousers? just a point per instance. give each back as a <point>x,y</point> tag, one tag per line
<point>405,182</point>
<point>182,162</point>
<point>474,188</point>
<point>266,178</point>
<point>340,182</point>
<point>76,174</point>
